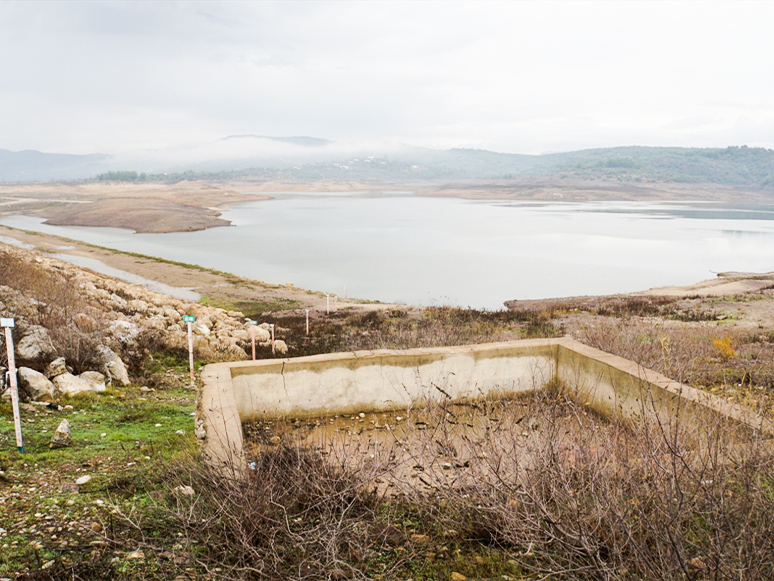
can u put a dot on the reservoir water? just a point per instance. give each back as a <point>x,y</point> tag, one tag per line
<point>404,248</point>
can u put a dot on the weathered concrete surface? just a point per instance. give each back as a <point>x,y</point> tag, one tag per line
<point>343,383</point>
<point>388,379</point>
<point>617,387</point>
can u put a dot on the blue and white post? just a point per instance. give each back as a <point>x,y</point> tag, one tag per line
<point>9,324</point>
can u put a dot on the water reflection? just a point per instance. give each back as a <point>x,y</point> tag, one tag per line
<point>468,253</point>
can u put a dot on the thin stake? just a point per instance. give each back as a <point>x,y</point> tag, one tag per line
<point>307,321</point>
<point>252,335</point>
<point>328,303</point>
<point>8,324</point>
<point>272,338</point>
<point>190,354</point>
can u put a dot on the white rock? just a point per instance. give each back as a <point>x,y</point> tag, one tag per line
<point>35,344</point>
<point>184,490</point>
<point>35,385</point>
<point>61,437</point>
<point>57,367</point>
<point>95,379</point>
<point>138,306</point>
<point>71,385</point>
<point>200,328</point>
<point>114,368</point>
<point>280,346</point>
<point>262,334</point>
<point>83,479</point>
<point>241,334</point>
<point>119,302</point>
<point>124,331</point>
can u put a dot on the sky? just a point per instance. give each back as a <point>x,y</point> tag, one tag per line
<point>519,77</point>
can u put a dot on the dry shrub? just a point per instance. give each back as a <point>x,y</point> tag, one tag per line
<point>297,516</point>
<point>403,329</point>
<point>75,325</point>
<point>724,346</point>
<point>542,480</point>
<point>735,363</point>
<point>651,501</point>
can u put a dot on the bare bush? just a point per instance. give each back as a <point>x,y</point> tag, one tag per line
<point>543,480</point>
<point>737,364</point>
<point>75,325</point>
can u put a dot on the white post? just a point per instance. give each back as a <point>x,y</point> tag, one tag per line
<point>190,354</point>
<point>252,336</point>
<point>327,303</point>
<point>272,338</point>
<point>9,324</point>
<point>307,321</point>
<point>345,292</point>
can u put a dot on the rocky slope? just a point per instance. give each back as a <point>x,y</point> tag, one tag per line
<point>101,326</point>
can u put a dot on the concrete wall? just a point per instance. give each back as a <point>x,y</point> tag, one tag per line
<point>342,383</point>
<point>386,379</point>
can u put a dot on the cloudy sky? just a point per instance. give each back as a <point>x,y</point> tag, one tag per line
<point>518,77</point>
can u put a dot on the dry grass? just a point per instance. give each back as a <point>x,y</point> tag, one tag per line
<point>532,488</point>
<point>75,325</point>
<point>737,364</point>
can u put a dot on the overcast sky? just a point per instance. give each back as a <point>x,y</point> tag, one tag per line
<point>509,76</point>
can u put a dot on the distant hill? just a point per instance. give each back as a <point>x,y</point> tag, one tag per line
<point>33,165</point>
<point>312,158</point>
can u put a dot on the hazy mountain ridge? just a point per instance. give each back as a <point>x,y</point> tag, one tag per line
<point>31,165</point>
<point>310,158</point>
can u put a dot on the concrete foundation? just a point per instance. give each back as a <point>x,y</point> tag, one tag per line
<point>344,383</point>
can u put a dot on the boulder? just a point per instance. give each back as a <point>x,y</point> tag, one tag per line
<point>200,327</point>
<point>261,334</point>
<point>111,364</point>
<point>35,385</point>
<point>69,384</point>
<point>57,367</point>
<point>138,306</point>
<point>242,334</point>
<point>61,437</point>
<point>35,344</point>
<point>124,331</point>
<point>118,303</point>
<point>280,346</point>
<point>95,379</point>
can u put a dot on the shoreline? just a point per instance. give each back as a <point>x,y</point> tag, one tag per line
<point>185,206</point>
<point>216,288</point>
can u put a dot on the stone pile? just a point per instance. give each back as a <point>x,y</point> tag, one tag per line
<point>124,318</point>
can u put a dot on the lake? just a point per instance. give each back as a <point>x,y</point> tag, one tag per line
<point>436,251</point>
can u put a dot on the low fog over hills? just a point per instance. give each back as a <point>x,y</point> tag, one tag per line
<point>311,158</point>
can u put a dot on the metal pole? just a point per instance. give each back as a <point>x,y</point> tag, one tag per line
<point>8,324</point>
<point>190,354</point>
<point>252,334</point>
<point>328,303</point>
<point>307,321</point>
<point>272,338</point>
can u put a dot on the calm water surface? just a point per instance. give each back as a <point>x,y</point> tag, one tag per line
<point>401,248</point>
